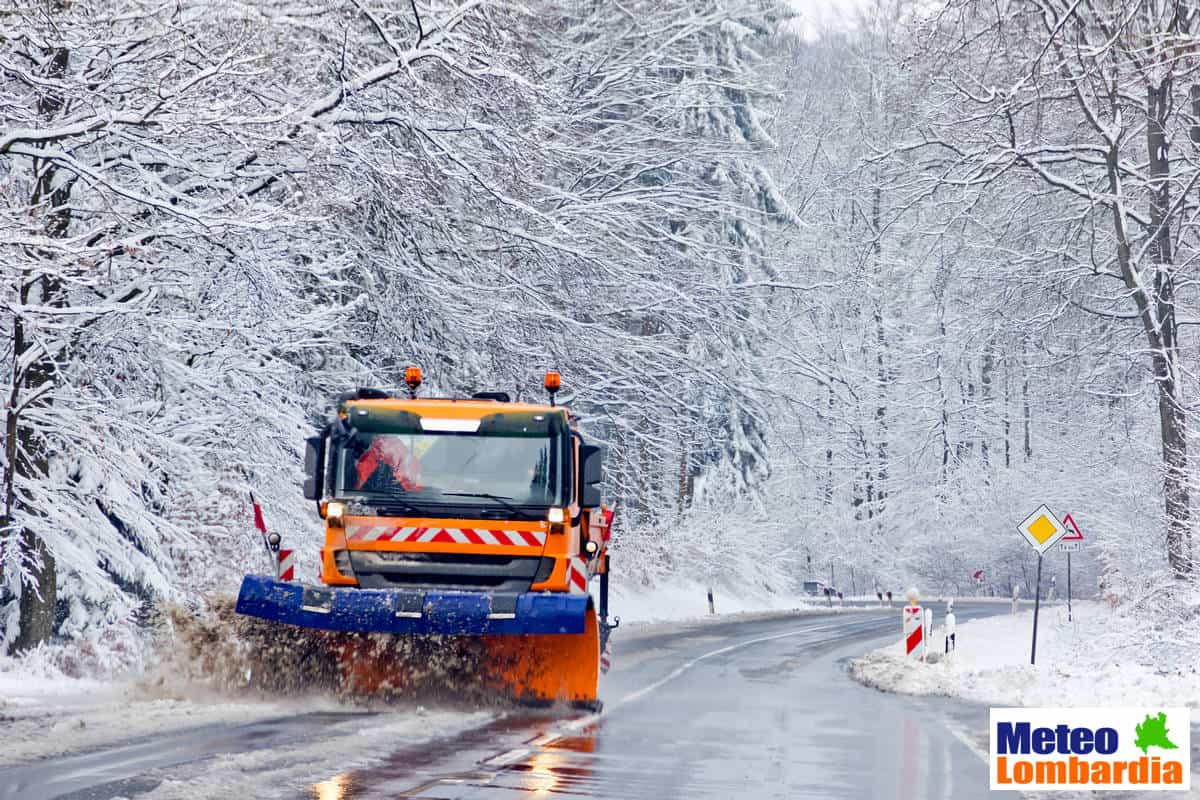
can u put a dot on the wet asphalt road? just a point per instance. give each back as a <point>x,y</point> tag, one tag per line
<point>746,709</point>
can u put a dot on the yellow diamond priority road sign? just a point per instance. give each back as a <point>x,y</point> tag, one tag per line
<point>1042,529</point>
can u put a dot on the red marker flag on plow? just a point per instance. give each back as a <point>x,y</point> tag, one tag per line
<point>259,522</point>
<point>284,560</point>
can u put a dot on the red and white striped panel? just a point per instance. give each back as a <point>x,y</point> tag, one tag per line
<point>577,576</point>
<point>914,632</point>
<point>391,533</point>
<point>287,565</point>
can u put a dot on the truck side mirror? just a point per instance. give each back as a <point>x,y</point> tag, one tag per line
<point>314,467</point>
<point>592,458</point>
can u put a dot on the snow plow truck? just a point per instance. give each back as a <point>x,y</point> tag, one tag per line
<point>456,518</point>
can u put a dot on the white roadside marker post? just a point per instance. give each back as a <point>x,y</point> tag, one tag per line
<point>950,622</point>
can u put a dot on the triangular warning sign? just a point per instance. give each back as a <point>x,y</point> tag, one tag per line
<point>1075,535</point>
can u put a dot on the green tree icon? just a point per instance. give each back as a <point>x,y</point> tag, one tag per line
<point>1153,733</point>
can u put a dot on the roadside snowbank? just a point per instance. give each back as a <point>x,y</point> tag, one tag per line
<point>44,713</point>
<point>680,601</point>
<point>1079,663</point>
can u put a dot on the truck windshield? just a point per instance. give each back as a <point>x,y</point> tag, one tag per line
<point>452,468</point>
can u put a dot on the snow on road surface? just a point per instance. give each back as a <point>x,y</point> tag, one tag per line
<point>45,714</point>
<point>303,765</point>
<point>1079,663</point>
<point>263,746</point>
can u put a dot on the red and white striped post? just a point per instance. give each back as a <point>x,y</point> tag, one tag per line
<point>914,628</point>
<point>285,566</point>
<point>914,633</point>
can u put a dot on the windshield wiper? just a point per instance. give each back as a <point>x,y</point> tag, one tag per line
<point>501,499</point>
<point>387,500</point>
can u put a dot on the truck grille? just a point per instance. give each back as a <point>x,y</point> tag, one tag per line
<point>468,572</point>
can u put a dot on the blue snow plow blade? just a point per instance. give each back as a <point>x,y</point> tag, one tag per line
<point>410,610</point>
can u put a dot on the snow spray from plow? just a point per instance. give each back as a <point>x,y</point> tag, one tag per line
<point>545,648</point>
<point>232,653</point>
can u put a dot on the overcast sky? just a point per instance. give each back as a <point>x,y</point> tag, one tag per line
<point>818,15</point>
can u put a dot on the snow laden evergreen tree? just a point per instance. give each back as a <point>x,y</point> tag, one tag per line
<point>667,97</point>
<point>724,102</point>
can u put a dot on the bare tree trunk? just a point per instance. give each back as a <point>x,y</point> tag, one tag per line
<point>1163,332</point>
<point>644,503</point>
<point>882,375</point>
<point>829,452</point>
<point>33,376</point>
<point>965,447</point>
<point>683,498</point>
<point>1007,420</point>
<point>939,293</point>
<point>985,391</point>
<point>1026,418</point>
<point>1194,128</point>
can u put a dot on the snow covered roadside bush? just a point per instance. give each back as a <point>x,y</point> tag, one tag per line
<point>1104,656</point>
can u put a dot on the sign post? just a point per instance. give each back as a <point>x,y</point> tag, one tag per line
<point>1037,601</point>
<point>1070,543</point>
<point>1042,530</point>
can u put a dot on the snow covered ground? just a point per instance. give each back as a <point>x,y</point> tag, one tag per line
<point>1079,663</point>
<point>45,713</point>
<point>680,601</point>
